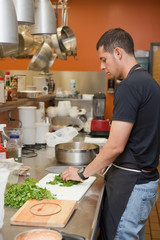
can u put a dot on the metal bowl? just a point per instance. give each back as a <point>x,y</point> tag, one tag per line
<point>29,94</point>
<point>42,59</point>
<point>67,40</point>
<point>76,153</point>
<point>36,234</point>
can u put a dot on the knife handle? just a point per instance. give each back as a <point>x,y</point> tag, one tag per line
<point>68,236</point>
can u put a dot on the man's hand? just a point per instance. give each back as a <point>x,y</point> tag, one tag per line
<point>71,174</point>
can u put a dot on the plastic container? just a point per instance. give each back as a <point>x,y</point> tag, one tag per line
<point>14,148</point>
<point>41,130</point>
<point>15,131</point>
<point>27,115</point>
<point>21,82</point>
<point>29,135</point>
<point>14,168</point>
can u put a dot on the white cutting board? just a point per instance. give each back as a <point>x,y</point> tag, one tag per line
<point>74,192</point>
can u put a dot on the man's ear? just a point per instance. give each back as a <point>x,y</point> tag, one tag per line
<point>118,53</point>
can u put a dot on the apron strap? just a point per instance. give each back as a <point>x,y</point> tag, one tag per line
<point>131,170</point>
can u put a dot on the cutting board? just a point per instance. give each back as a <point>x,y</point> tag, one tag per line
<point>44,213</point>
<point>74,192</point>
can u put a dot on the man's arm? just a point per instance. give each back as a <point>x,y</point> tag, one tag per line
<point>118,138</point>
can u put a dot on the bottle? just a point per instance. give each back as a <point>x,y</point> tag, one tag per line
<point>14,148</point>
<point>8,90</point>
<point>72,87</point>
<point>14,88</point>
<point>2,90</point>
<point>7,76</point>
<point>3,153</point>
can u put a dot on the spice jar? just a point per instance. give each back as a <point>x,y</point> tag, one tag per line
<point>14,88</point>
<point>14,148</point>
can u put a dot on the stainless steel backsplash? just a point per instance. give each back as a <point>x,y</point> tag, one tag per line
<point>86,82</point>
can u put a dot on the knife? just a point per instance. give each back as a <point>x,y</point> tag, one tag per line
<point>68,236</point>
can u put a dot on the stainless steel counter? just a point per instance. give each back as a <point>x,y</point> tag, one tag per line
<point>85,218</point>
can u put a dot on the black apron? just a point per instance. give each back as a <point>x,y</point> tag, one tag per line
<point>118,188</point>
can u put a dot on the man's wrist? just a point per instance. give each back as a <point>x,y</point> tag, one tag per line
<point>81,173</point>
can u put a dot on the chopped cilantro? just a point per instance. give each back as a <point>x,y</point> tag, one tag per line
<point>57,179</point>
<point>17,195</point>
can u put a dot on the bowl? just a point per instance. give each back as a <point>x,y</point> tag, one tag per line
<point>43,59</point>
<point>36,234</point>
<point>29,94</point>
<point>76,153</point>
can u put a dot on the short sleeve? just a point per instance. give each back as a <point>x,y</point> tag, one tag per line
<point>126,103</point>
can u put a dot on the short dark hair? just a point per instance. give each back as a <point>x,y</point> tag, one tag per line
<point>116,37</point>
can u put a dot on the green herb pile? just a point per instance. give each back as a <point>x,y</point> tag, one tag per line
<point>17,195</point>
<point>57,179</point>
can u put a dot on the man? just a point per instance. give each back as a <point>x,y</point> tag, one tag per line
<point>133,144</point>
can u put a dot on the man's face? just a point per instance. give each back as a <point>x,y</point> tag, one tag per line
<point>109,63</point>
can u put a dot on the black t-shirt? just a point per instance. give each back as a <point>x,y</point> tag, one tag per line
<point>137,100</point>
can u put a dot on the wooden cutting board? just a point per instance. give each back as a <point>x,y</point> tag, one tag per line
<point>44,213</point>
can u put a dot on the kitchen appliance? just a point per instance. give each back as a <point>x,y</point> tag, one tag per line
<point>100,126</point>
<point>44,83</point>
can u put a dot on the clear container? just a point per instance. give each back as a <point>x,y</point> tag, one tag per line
<point>14,148</point>
<point>14,168</point>
<point>99,100</point>
<point>14,131</point>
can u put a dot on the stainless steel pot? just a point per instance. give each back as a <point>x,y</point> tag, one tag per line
<point>67,40</point>
<point>53,42</point>
<point>7,50</point>
<point>42,59</point>
<point>76,153</point>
